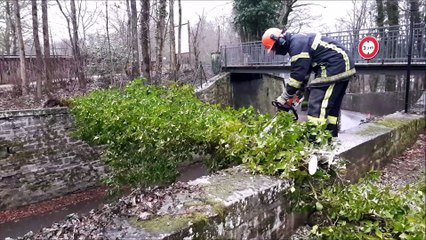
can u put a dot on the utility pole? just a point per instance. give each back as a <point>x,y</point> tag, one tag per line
<point>409,55</point>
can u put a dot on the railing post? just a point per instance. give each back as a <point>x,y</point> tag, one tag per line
<point>410,49</point>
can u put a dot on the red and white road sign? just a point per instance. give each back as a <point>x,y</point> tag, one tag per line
<point>368,47</point>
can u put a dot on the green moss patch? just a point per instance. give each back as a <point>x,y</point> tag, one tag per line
<point>169,223</point>
<point>391,122</point>
<point>371,130</point>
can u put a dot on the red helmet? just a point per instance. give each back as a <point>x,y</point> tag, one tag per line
<point>267,41</point>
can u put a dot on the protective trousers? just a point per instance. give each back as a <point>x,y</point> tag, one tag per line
<point>324,104</point>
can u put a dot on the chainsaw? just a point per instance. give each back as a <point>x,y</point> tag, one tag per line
<point>291,104</point>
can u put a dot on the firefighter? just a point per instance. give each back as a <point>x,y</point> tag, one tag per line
<point>331,63</point>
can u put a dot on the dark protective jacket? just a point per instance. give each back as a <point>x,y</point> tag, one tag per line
<point>311,52</point>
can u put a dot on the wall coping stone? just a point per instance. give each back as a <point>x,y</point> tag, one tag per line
<point>210,82</point>
<point>33,112</point>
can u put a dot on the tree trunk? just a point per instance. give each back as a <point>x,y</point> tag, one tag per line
<point>77,55</point>
<point>46,45</point>
<point>7,43</point>
<point>39,59</point>
<point>286,9</point>
<point>68,28</point>
<point>128,67</point>
<point>110,67</point>
<point>134,39</point>
<point>146,56</point>
<point>199,70</point>
<point>179,53</point>
<point>172,40</point>
<point>393,20</point>
<point>161,13</point>
<point>24,84</point>
<point>380,19</point>
<point>13,46</point>
<point>415,11</point>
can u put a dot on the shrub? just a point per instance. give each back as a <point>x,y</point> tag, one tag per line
<point>369,210</point>
<point>149,130</point>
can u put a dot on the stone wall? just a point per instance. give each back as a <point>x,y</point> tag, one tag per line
<point>234,203</point>
<point>40,160</point>
<point>257,90</point>
<point>217,90</point>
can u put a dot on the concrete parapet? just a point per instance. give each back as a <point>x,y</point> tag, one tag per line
<point>373,144</point>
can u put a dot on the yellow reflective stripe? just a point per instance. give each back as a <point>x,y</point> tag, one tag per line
<point>316,41</point>
<point>339,50</point>
<point>316,120</point>
<point>332,120</point>
<point>334,77</point>
<point>323,71</point>
<point>300,55</point>
<point>325,101</point>
<point>294,83</point>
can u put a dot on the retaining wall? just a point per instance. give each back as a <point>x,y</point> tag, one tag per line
<point>40,160</point>
<point>236,204</point>
<point>253,206</point>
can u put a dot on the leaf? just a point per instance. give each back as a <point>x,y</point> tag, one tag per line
<point>379,233</point>
<point>318,206</point>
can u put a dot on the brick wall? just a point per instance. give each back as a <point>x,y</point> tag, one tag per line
<point>40,160</point>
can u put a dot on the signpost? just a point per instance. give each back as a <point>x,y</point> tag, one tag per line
<point>368,47</point>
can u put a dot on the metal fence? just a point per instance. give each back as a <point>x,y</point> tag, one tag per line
<point>250,53</point>
<point>393,41</point>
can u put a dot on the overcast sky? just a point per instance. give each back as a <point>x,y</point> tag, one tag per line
<point>328,10</point>
<point>191,9</point>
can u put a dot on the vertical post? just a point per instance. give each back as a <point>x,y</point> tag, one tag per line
<point>410,49</point>
<point>225,57</point>
<point>189,44</point>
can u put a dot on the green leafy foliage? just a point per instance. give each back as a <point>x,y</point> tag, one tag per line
<point>149,130</point>
<point>253,17</point>
<point>369,210</point>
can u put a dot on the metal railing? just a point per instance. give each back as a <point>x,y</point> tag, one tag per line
<point>393,41</point>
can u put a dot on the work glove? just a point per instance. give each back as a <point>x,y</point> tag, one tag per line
<point>285,98</point>
<point>284,101</point>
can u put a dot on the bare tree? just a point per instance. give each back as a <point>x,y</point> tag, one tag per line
<point>178,64</point>
<point>39,60</point>
<point>356,21</point>
<point>196,39</point>
<point>8,20</point>
<point>10,39</point>
<point>77,54</point>
<point>111,68</point>
<point>145,39</point>
<point>159,39</point>
<point>285,10</point>
<point>46,45</point>
<point>173,59</point>
<point>23,83</point>
<point>86,18</point>
<point>134,39</point>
